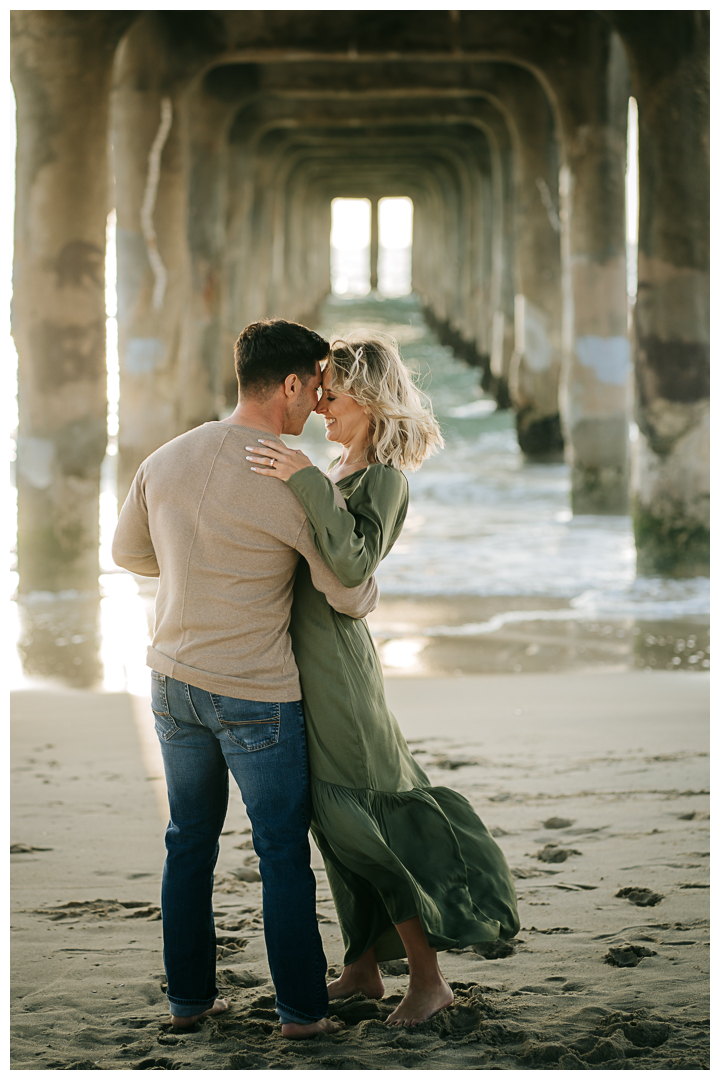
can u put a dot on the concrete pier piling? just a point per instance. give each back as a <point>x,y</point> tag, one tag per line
<point>597,381</point>
<point>61,72</point>
<point>221,139</point>
<point>671,488</point>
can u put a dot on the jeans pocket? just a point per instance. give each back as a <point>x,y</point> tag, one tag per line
<point>251,725</point>
<point>165,724</point>
<point>158,694</point>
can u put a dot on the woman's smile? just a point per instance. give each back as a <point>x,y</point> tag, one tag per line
<point>346,422</point>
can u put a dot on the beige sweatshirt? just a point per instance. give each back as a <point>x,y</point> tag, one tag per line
<point>225,543</point>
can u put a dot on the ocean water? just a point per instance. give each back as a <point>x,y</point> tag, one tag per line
<point>482,521</point>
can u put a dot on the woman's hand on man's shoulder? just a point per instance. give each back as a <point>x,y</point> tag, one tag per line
<point>275,459</point>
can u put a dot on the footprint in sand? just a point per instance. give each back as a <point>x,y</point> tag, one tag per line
<point>443,762</point>
<point>640,896</point>
<point>156,1063</point>
<point>230,922</point>
<point>247,980</point>
<point>553,853</point>
<point>627,955</point>
<point>522,873</point>
<point>356,1009</point>
<point>395,967</point>
<point>124,909</point>
<point>246,873</point>
<point>496,950</point>
<point>228,947</point>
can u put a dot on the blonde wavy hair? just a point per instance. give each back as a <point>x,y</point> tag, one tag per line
<point>368,368</point>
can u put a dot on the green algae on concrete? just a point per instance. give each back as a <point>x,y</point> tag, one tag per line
<point>670,546</point>
<point>599,490</point>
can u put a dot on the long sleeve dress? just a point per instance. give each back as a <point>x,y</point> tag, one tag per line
<point>393,845</point>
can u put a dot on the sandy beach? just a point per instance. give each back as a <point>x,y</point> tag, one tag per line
<point>595,784</point>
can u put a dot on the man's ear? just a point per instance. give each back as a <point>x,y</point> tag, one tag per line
<point>292,386</point>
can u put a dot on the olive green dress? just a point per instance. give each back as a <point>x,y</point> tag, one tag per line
<point>394,846</point>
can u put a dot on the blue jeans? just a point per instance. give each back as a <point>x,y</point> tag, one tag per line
<point>202,735</point>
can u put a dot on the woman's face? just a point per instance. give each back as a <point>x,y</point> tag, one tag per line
<point>346,422</point>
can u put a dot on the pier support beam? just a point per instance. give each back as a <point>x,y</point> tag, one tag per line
<point>154,277</point>
<point>201,396</point>
<point>671,490</point>
<point>61,72</point>
<point>596,394</point>
<point>536,363</point>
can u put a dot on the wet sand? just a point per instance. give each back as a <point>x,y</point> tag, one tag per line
<point>483,635</point>
<point>604,773</point>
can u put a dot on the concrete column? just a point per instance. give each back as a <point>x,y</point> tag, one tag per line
<point>374,244</point>
<point>536,363</point>
<point>597,380</point>
<point>669,53</point>
<point>61,67</point>
<point>202,397</point>
<point>308,224</point>
<point>157,372</point>
<point>244,260</point>
<point>249,258</point>
<point>320,254</point>
<point>501,344</point>
<point>479,226</point>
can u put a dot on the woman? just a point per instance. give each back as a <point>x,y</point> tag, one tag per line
<point>411,867</point>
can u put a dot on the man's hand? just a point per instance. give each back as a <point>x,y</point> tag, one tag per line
<point>277,459</point>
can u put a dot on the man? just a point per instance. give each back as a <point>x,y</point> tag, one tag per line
<point>225,543</point>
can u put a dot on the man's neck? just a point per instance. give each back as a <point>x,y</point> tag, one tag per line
<point>262,416</point>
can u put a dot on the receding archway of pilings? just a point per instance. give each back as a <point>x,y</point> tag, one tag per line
<point>230,133</point>
<point>509,104</point>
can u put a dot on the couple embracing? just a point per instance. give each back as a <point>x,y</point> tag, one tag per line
<point>263,666</point>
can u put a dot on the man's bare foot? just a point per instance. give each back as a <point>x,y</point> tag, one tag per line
<point>309,1031</point>
<point>368,983</point>
<point>220,1005</point>
<point>419,1005</point>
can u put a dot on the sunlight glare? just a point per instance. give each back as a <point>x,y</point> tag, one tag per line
<point>395,222</point>
<point>350,223</point>
<point>350,247</point>
<point>632,198</point>
<point>395,229</point>
<point>403,654</point>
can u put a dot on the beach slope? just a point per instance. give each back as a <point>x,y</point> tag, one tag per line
<point>596,787</point>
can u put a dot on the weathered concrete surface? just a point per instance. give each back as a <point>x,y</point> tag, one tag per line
<point>671,490</point>
<point>151,183</point>
<point>61,75</point>
<point>535,368</point>
<point>595,398</point>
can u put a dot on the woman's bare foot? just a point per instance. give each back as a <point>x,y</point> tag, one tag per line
<point>221,1005</point>
<point>309,1031</point>
<point>367,981</point>
<point>420,1004</point>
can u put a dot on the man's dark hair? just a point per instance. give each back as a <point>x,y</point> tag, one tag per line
<point>269,350</point>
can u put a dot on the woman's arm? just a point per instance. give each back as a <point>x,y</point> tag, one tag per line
<point>353,541</point>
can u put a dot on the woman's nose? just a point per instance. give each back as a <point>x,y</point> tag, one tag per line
<point>321,407</point>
